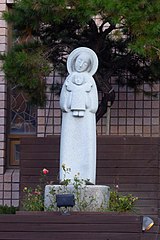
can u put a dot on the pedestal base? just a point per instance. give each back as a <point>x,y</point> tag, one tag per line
<point>87,197</point>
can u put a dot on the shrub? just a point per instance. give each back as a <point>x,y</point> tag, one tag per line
<point>33,199</point>
<point>121,203</point>
<point>8,210</point>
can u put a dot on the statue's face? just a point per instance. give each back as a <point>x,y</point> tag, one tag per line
<point>82,62</point>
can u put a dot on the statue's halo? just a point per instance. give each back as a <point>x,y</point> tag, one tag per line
<point>76,52</point>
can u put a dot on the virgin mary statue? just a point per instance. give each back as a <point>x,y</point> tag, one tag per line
<point>79,103</point>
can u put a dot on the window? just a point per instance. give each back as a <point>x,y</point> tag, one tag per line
<point>22,116</point>
<point>22,123</point>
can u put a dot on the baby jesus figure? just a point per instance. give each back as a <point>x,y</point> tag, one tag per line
<point>79,87</point>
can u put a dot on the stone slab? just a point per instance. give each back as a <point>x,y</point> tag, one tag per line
<point>87,197</point>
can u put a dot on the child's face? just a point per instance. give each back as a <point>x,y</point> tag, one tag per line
<point>82,62</point>
<point>78,80</point>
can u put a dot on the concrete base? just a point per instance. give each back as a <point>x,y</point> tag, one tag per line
<point>87,197</point>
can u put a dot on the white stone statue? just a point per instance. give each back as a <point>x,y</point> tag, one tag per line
<point>79,103</point>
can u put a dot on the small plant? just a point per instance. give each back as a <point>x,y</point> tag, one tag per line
<point>8,210</point>
<point>121,203</point>
<point>66,171</point>
<point>33,199</point>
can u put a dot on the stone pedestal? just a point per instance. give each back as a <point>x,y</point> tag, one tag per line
<point>87,197</point>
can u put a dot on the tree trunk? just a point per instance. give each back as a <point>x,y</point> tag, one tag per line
<point>103,105</point>
<point>108,95</point>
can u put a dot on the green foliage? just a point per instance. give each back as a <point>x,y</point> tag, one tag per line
<point>8,210</point>
<point>143,20</point>
<point>33,199</point>
<point>27,69</point>
<point>141,17</point>
<point>126,40</point>
<point>121,203</point>
<point>28,15</point>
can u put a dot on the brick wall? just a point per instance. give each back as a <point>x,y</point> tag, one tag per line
<point>135,113</point>
<point>9,179</point>
<point>3,88</point>
<point>131,114</point>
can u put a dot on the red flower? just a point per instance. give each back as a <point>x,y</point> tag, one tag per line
<point>45,171</point>
<point>37,193</point>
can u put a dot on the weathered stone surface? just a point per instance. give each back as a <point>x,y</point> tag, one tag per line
<point>79,103</point>
<point>88,198</point>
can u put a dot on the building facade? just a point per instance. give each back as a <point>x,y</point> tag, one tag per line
<point>131,114</point>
